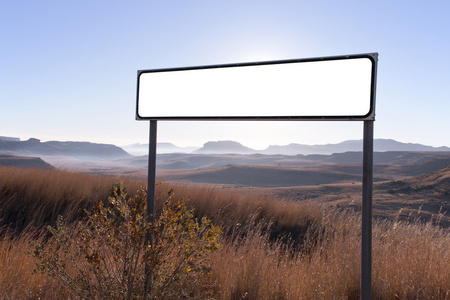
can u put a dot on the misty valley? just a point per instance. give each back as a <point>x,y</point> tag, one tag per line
<point>408,178</point>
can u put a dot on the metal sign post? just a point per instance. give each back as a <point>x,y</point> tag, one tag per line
<point>151,186</point>
<point>335,88</point>
<point>366,218</point>
<point>151,170</point>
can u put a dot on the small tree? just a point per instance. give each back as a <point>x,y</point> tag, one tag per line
<point>105,255</point>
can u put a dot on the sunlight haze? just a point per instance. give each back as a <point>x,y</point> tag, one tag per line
<point>68,69</point>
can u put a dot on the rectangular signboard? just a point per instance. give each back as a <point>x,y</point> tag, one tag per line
<point>325,88</point>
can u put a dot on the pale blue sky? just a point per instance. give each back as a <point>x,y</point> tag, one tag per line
<point>68,68</point>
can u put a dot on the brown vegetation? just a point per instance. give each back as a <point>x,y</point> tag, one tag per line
<point>273,248</point>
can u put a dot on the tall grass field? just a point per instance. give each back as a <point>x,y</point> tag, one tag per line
<point>271,248</point>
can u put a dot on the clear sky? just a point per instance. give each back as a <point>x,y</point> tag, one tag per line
<point>68,68</point>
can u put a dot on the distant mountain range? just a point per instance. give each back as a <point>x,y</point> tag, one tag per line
<point>87,150</point>
<point>232,147</point>
<point>232,163</point>
<point>380,145</point>
<point>84,150</point>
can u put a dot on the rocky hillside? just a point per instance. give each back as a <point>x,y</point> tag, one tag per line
<point>24,162</point>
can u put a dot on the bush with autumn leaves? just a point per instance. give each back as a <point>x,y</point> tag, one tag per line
<point>107,255</point>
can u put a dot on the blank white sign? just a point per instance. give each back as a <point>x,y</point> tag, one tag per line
<point>333,88</point>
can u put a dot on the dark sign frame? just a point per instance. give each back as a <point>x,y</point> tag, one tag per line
<point>373,57</point>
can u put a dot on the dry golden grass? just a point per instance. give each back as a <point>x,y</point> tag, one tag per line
<point>410,261</point>
<point>32,197</point>
<point>17,280</point>
<point>230,208</point>
<point>256,261</point>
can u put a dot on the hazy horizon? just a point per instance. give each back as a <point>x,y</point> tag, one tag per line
<point>243,143</point>
<point>69,69</point>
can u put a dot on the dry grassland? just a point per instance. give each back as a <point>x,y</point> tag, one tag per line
<point>272,248</point>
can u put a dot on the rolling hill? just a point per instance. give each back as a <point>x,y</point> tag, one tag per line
<point>195,161</point>
<point>24,162</point>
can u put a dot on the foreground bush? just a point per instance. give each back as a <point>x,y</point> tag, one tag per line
<point>106,256</point>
